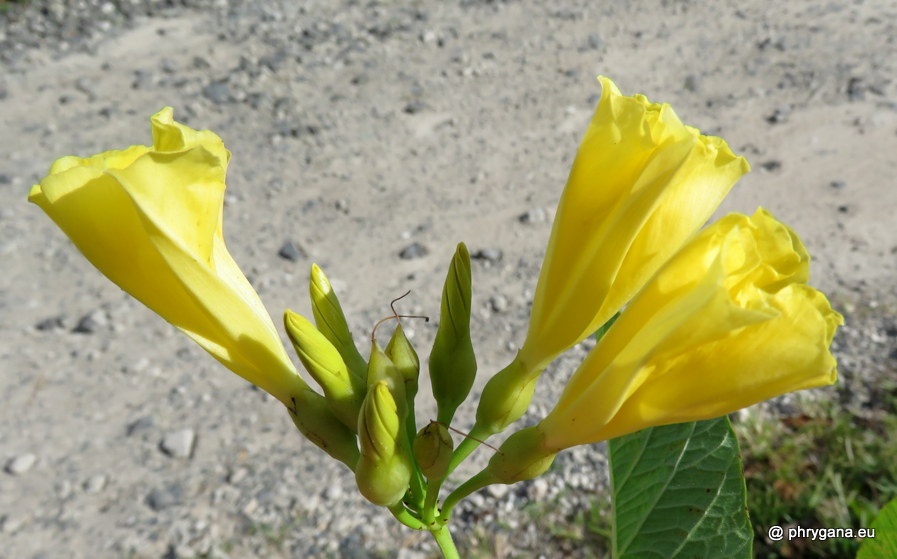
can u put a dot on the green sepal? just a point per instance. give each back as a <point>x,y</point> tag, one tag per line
<point>332,323</point>
<point>453,365</point>
<point>313,417</point>
<point>522,456</point>
<point>325,364</point>
<point>505,398</point>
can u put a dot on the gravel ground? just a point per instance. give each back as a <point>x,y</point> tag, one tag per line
<point>370,137</point>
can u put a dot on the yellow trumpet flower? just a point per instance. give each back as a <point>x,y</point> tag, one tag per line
<point>149,218</point>
<point>727,323</point>
<point>641,184</point>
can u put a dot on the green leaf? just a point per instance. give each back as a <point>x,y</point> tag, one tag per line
<point>679,492</point>
<point>884,542</point>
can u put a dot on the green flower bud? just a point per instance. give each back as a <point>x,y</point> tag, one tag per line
<point>522,456</point>
<point>402,354</point>
<point>382,369</point>
<point>453,364</point>
<point>505,398</point>
<point>324,363</point>
<point>433,450</point>
<point>313,417</point>
<point>384,469</point>
<point>332,323</point>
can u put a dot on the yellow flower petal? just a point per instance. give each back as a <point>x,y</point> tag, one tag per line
<point>149,218</point>
<point>728,322</point>
<point>641,185</point>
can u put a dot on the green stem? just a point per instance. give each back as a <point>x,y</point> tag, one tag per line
<point>405,517</point>
<point>417,480</point>
<point>429,512</point>
<point>475,483</point>
<point>446,545</point>
<point>468,445</point>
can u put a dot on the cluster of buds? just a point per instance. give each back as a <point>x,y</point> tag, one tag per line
<point>367,420</point>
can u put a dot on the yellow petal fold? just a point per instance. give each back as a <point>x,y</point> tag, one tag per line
<point>150,219</point>
<point>727,323</point>
<point>642,184</point>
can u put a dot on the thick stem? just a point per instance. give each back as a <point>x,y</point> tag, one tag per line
<point>446,545</point>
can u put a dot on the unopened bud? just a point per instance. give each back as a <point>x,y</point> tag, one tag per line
<point>432,448</point>
<point>384,469</point>
<point>332,323</point>
<point>325,364</point>
<point>402,354</point>
<point>453,365</point>
<point>381,368</point>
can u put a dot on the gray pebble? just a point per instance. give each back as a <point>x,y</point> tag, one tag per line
<point>499,303</point>
<point>595,41</point>
<point>95,484</point>
<point>51,323</point>
<point>140,425</point>
<point>489,255</point>
<point>179,444</point>
<point>92,322</point>
<point>412,251</point>
<point>838,184</point>
<point>780,115</point>
<point>217,92</point>
<point>535,215</point>
<point>143,79</point>
<point>164,497</point>
<point>414,107</point>
<point>291,251</point>
<point>21,464</point>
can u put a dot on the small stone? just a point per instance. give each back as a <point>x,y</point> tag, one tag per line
<point>535,215</point>
<point>412,251</point>
<point>95,484</point>
<point>237,475</point>
<point>51,323</point>
<point>217,92</point>
<point>499,303</point>
<point>844,209</point>
<point>291,251</point>
<point>488,255</point>
<point>838,184</point>
<point>164,497</point>
<point>342,205</point>
<point>92,322</point>
<point>771,165</point>
<point>86,86</point>
<point>333,493</point>
<point>692,82</point>
<point>143,79</point>
<point>779,115</point>
<point>169,66</point>
<point>21,464</point>
<point>141,425</point>
<point>179,444</point>
<point>414,107</point>
<point>595,41</point>
<point>498,491</point>
<point>200,63</point>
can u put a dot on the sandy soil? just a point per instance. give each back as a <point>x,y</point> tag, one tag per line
<point>358,129</point>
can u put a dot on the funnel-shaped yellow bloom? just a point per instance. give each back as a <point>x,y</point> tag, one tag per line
<point>642,183</point>
<point>149,218</point>
<point>727,323</point>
